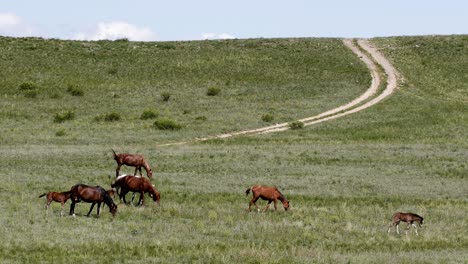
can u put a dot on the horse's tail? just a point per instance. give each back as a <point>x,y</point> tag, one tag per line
<point>248,191</point>
<point>44,194</point>
<point>115,154</point>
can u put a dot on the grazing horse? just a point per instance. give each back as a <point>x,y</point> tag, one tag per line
<point>91,194</point>
<point>59,197</point>
<point>132,160</point>
<point>270,194</point>
<point>408,218</point>
<point>136,184</point>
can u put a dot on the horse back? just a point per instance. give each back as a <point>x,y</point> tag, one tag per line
<point>406,217</point>
<point>132,159</point>
<point>266,193</point>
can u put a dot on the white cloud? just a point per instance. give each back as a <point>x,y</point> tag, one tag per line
<point>13,25</point>
<point>217,36</point>
<point>9,19</point>
<point>117,30</point>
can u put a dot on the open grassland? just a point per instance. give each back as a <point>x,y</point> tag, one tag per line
<point>344,178</point>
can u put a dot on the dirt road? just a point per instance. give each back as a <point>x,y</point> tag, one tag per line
<point>370,97</point>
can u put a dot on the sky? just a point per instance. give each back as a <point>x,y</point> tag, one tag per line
<point>178,20</point>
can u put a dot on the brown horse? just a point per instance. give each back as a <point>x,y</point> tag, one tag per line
<point>91,194</point>
<point>408,218</point>
<point>270,194</point>
<point>59,197</point>
<point>132,160</point>
<point>136,184</point>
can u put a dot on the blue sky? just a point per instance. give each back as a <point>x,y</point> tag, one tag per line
<point>168,20</point>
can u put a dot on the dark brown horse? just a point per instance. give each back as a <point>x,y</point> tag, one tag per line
<point>132,160</point>
<point>136,184</point>
<point>408,218</point>
<point>270,194</point>
<point>91,194</point>
<point>59,197</point>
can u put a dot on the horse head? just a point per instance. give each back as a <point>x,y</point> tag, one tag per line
<point>148,169</point>
<point>155,195</point>
<point>113,209</point>
<point>285,204</point>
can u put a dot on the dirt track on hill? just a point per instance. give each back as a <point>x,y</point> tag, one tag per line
<point>371,57</point>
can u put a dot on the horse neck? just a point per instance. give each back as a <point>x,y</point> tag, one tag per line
<point>107,199</point>
<point>281,196</point>
<point>146,166</point>
<point>153,191</point>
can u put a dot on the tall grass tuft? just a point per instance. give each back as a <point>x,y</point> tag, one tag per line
<point>166,124</point>
<point>64,116</point>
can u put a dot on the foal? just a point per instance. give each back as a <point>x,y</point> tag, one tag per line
<point>270,194</point>
<point>59,197</point>
<point>132,160</point>
<point>408,218</point>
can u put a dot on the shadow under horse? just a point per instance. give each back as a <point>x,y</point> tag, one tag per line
<point>91,194</point>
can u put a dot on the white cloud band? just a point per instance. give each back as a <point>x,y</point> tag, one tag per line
<point>117,30</point>
<point>217,36</point>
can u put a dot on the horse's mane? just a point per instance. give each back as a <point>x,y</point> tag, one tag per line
<point>146,165</point>
<point>107,199</point>
<point>281,196</point>
<point>121,176</point>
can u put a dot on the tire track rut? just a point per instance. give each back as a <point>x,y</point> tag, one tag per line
<point>371,57</point>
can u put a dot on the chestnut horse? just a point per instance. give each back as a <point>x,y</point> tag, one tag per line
<point>270,194</point>
<point>59,197</point>
<point>91,194</point>
<point>136,184</point>
<point>408,218</point>
<point>132,160</point>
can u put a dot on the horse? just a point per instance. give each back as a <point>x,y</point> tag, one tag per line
<point>132,160</point>
<point>91,194</point>
<point>270,194</point>
<point>136,184</point>
<point>408,218</point>
<point>59,197</point>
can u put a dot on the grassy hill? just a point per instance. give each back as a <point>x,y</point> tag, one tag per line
<point>65,104</point>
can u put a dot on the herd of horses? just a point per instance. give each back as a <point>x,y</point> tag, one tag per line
<point>138,184</point>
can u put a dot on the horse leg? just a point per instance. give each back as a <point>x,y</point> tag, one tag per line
<point>397,229</point>
<point>139,169</point>
<point>415,229</point>
<point>253,201</point>
<point>117,170</point>
<point>123,193</point>
<point>90,209</point>
<point>98,208</point>
<point>267,206</point>
<point>142,199</point>
<point>275,201</point>
<point>72,209</point>
<point>47,206</point>
<point>61,211</point>
<point>408,226</point>
<point>134,174</point>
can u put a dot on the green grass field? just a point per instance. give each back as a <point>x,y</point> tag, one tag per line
<point>344,178</point>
